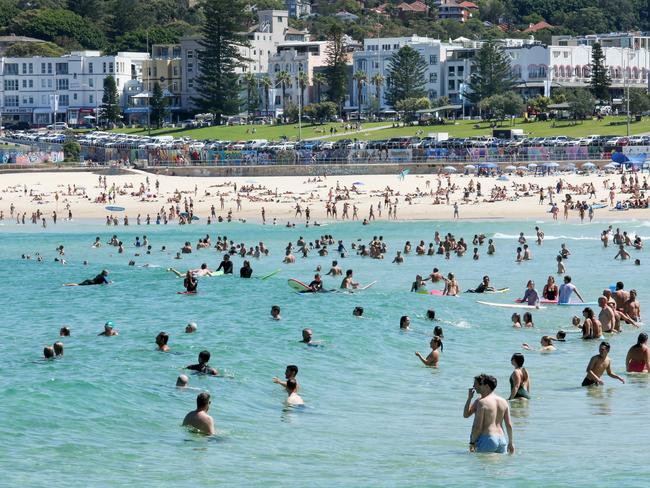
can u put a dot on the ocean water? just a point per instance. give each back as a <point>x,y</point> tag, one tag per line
<point>108,413</point>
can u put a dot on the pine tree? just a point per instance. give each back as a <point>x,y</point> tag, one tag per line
<point>109,112</point>
<point>406,70</point>
<point>336,70</point>
<point>157,106</point>
<point>219,56</point>
<point>600,80</point>
<point>492,74</point>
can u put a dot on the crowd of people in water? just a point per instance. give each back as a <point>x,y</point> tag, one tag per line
<point>617,307</point>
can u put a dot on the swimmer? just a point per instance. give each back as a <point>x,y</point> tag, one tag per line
<point>203,367</point>
<point>64,331</point>
<point>161,341</point>
<point>599,364</point>
<point>519,379</point>
<point>528,320</point>
<point>190,328</point>
<point>516,320</point>
<point>405,322</point>
<point>290,373</point>
<point>190,282</point>
<point>546,342</point>
<point>348,282</point>
<point>418,284</point>
<point>491,412</point>
<point>246,271</point>
<point>561,269</point>
<point>431,315</point>
<point>226,265</point>
<point>275,313</point>
<point>638,357</point>
<point>357,312</point>
<point>108,330</point>
<point>100,279</point>
<point>452,288</point>
<point>399,259</point>
<point>293,399</point>
<point>434,356</point>
<point>437,331</point>
<point>306,337</point>
<point>58,348</point>
<point>182,381</point>
<point>199,418</point>
<point>48,352</point>
<point>335,270</point>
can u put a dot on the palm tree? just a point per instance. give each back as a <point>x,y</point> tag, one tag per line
<point>283,79</point>
<point>267,84</point>
<point>361,78</point>
<point>251,83</point>
<point>378,81</point>
<point>319,79</point>
<point>303,80</point>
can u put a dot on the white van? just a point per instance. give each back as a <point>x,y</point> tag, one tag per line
<point>58,126</point>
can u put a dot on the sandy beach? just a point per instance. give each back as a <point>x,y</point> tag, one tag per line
<point>280,195</point>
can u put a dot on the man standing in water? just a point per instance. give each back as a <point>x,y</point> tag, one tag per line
<point>199,418</point>
<point>566,290</point>
<point>599,364</point>
<point>491,412</point>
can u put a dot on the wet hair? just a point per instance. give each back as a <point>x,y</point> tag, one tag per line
<point>619,285</point>
<point>48,352</point>
<point>292,384</point>
<point>431,314</point>
<point>518,358</point>
<point>606,344</point>
<point>292,368</point>
<point>348,272</point>
<point>528,317</point>
<point>402,321</point>
<point>202,400</point>
<point>275,308</point>
<point>642,339</point>
<point>358,311</point>
<point>567,279</point>
<point>438,340</point>
<point>437,331</point>
<point>204,356</point>
<point>490,381</point>
<point>58,348</point>
<point>589,311</point>
<point>65,331</point>
<point>561,335</point>
<point>163,338</point>
<point>517,317</point>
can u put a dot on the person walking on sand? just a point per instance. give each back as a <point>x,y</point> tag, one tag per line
<point>456,216</point>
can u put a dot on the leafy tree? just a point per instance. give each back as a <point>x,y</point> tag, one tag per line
<point>377,81</point>
<point>157,106</point>
<point>219,56</point>
<point>137,40</point>
<point>406,70</point>
<point>29,49</point>
<point>91,9</point>
<point>283,79</point>
<point>58,25</point>
<point>411,105</point>
<point>492,11</point>
<point>639,100</point>
<point>8,10</point>
<point>266,83</point>
<point>109,111</point>
<point>336,70</point>
<point>492,74</point>
<point>540,103</point>
<point>302,80</point>
<point>581,103</point>
<point>600,80</point>
<point>252,98</point>
<point>361,78</point>
<point>325,111</point>
<point>71,149</point>
<point>501,105</point>
<point>319,79</point>
<point>442,101</point>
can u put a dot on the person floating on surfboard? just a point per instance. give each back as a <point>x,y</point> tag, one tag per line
<point>100,279</point>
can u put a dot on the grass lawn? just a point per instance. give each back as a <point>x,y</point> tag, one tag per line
<point>463,128</point>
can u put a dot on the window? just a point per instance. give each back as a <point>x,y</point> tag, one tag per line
<point>74,96</point>
<point>49,68</point>
<point>104,67</point>
<point>452,71</point>
<point>61,68</point>
<point>43,99</point>
<point>190,83</point>
<point>11,100</point>
<point>451,85</point>
<point>31,100</point>
<point>190,54</point>
<point>24,68</point>
<point>90,68</point>
<point>64,100</point>
<point>110,67</point>
<point>91,82</point>
<point>62,84</point>
<point>461,70</point>
<point>24,83</point>
<point>174,86</point>
<point>91,99</point>
<point>280,20</point>
<point>11,69</point>
<point>11,85</point>
<point>42,68</point>
<point>31,83</point>
<point>49,82</point>
<point>175,71</point>
<point>433,94</point>
<point>42,83</point>
<point>190,67</point>
<point>31,68</point>
<point>433,59</point>
<point>395,46</point>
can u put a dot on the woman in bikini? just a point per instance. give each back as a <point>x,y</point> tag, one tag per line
<point>519,379</point>
<point>550,290</point>
<point>638,357</point>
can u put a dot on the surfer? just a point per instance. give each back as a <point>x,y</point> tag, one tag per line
<point>483,286</point>
<point>316,285</point>
<point>199,418</point>
<point>190,282</point>
<point>531,297</point>
<point>566,290</point>
<point>551,289</point>
<point>246,271</point>
<point>348,282</point>
<point>100,279</point>
<point>226,265</point>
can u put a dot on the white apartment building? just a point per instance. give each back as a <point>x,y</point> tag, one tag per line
<point>271,30</point>
<point>543,68</point>
<point>42,90</point>
<point>294,58</point>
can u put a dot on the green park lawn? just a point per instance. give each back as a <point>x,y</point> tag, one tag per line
<point>383,130</point>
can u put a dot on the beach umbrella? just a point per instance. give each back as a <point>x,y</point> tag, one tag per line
<point>487,165</point>
<point>451,169</point>
<point>510,168</point>
<point>550,165</point>
<point>522,168</point>
<point>532,165</point>
<point>619,157</point>
<point>569,166</point>
<point>588,165</point>
<point>611,166</point>
<point>470,166</point>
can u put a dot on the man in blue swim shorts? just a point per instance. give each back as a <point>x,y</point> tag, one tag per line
<point>491,412</point>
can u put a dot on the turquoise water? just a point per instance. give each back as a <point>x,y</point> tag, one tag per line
<point>108,414</point>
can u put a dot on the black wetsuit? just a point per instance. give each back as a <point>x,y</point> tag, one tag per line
<point>226,266</point>
<point>100,279</point>
<point>316,286</point>
<point>245,272</point>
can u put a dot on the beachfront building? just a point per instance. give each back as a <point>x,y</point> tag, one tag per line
<point>271,30</point>
<point>43,90</point>
<point>298,8</point>
<point>540,68</point>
